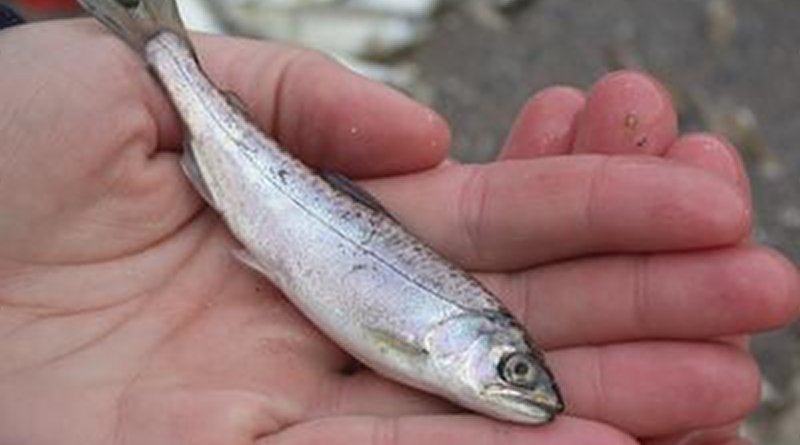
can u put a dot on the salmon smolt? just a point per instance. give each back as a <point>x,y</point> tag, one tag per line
<point>367,283</point>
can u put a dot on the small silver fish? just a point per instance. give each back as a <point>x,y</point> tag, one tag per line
<point>380,293</point>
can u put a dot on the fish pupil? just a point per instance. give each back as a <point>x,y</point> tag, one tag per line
<point>129,3</point>
<point>519,370</point>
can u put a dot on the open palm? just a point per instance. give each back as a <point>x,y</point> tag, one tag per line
<point>125,320</point>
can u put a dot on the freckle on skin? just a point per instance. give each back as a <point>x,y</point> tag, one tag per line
<point>631,121</point>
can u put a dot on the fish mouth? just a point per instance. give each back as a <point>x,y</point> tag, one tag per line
<point>549,403</point>
<point>528,406</point>
<point>557,402</point>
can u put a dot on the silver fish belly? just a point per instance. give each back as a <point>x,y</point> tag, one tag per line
<point>366,282</point>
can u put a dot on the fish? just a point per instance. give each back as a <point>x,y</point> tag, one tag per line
<point>370,285</point>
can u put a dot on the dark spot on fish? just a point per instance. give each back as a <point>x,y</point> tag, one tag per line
<point>358,267</point>
<point>642,142</point>
<point>282,174</point>
<point>370,236</point>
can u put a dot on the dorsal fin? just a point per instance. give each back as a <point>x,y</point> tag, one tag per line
<point>353,190</point>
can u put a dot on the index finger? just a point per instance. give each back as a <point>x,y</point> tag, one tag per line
<point>329,116</point>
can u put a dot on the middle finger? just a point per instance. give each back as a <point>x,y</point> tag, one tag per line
<point>515,214</point>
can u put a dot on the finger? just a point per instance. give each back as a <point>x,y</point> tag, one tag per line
<point>656,389</point>
<point>726,435</point>
<point>546,125</point>
<point>714,154</point>
<point>740,341</point>
<point>518,213</point>
<point>327,115</point>
<point>627,113</point>
<point>436,430</point>
<point>624,298</point>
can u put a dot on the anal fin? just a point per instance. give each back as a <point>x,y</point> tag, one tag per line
<point>192,171</point>
<point>248,260</point>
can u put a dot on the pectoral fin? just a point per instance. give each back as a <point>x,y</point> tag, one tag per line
<point>390,343</point>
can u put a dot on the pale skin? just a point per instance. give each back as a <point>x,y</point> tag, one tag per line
<point>622,245</point>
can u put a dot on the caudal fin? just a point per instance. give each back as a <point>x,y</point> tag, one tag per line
<point>136,26</point>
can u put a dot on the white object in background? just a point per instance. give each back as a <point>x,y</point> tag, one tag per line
<point>198,16</point>
<point>414,8</point>
<point>402,76</point>
<point>343,30</point>
<point>353,27</point>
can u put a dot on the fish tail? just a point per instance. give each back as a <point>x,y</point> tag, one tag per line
<point>137,26</point>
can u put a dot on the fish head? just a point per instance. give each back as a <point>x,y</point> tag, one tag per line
<point>501,374</point>
<point>519,385</point>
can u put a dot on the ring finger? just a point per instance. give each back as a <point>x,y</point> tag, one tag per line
<point>629,298</point>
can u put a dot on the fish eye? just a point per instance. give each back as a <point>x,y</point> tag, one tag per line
<point>519,370</point>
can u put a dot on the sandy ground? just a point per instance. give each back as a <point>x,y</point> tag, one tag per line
<point>733,67</point>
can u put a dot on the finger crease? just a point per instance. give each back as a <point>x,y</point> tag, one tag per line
<point>640,291</point>
<point>332,392</point>
<point>280,96</point>
<point>526,282</point>
<point>385,431</point>
<point>593,196</point>
<point>600,402</point>
<point>472,209</point>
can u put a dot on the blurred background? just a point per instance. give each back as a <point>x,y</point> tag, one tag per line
<point>733,67</point>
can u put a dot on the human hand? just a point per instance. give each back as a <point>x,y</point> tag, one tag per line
<point>124,318</point>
